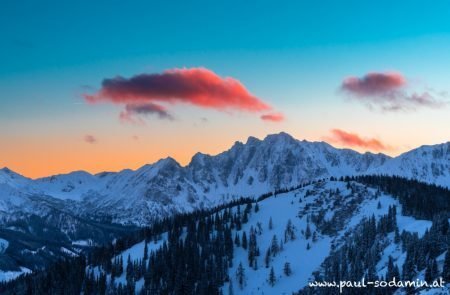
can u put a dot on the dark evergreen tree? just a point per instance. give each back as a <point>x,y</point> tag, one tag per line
<point>272,278</point>
<point>446,268</point>
<point>240,276</point>
<point>287,269</point>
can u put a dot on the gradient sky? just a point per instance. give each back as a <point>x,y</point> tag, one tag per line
<point>292,55</point>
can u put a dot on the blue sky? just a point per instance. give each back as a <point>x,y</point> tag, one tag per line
<point>291,54</point>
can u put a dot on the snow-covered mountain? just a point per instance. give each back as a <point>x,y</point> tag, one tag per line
<point>289,223</point>
<point>43,219</point>
<point>246,169</point>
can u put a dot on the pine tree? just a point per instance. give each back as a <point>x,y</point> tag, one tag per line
<point>289,232</point>
<point>145,251</point>
<point>428,274</point>
<point>244,240</point>
<point>446,269</point>
<point>397,236</point>
<point>267,257</point>
<point>240,275</point>
<point>129,274</point>
<point>256,207</point>
<point>431,271</point>
<point>408,267</point>
<point>272,279</point>
<point>237,241</point>
<point>270,224</point>
<point>392,273</point>
<point>230,288</point>
<point>307,231</point>
<point>274,247</point>
<point>287,269</point>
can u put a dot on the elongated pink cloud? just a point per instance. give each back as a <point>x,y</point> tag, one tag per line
<point>196,86</point>
<point>354,140</point>
<point>388,92</point>
<point>273,117</point>
<point>90,139</point>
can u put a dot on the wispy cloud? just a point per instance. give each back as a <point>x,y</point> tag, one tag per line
<point>349,139</point>
<point>389,91</point>
<point>273,117</point>
<point>90,139</point>
<point>133,112</point>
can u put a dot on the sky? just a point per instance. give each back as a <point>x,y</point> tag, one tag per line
<point>109,85</point>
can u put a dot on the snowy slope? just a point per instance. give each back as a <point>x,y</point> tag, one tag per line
<point>354,205</point>
<point>428,163</point>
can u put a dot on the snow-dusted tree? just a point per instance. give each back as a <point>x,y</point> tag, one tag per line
<point>289,232</point>
<point>270,224</point>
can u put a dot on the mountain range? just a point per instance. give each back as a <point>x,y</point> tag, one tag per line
<point>245,170</point>
<point>44,219</point>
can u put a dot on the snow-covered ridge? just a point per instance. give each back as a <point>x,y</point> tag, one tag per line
<point>246,169</point>
<point>306,249</point>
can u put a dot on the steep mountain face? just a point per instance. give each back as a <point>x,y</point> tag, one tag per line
<point>249,169</point>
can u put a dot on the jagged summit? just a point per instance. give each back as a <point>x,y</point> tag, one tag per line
<point>246,169</point>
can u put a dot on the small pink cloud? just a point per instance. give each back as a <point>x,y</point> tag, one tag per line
<point>90,139</point>
<point>273,117</point>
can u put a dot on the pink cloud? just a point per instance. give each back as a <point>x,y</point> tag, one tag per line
<point>388,92</point>
<point>144,93</point>
<point>374,83</point>
<point>273,117</point>
<point>354,140</point>
<point>90,139</point>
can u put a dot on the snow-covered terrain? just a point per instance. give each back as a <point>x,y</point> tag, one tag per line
<point>250,169</point>
<point>11,275</point>
<point>306,251</point>
<point>76,210</point>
